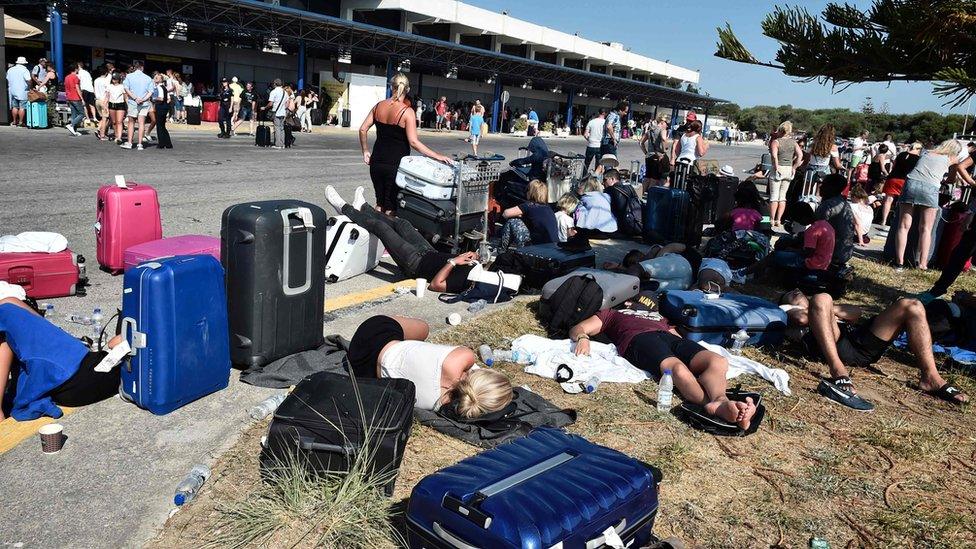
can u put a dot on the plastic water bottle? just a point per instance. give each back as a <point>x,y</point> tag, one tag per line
<point>739,340</point>
<point>487,356</point>
<point>664,392</point>
<point>591,384</point>
<point>48,309</point>
<point>80,319</point>
<point>477,306</point>
<point>188,487</point>
<point>96,322</point>
<point>267,406</point>
<point>523,357</point>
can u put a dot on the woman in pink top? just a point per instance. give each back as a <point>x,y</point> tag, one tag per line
<point>746,215</point>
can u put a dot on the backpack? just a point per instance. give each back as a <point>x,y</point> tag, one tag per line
<point>576,299</point>
<point>631,218</point>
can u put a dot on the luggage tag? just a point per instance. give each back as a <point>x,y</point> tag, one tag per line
<point>113,357</point>
<point>120,182</point>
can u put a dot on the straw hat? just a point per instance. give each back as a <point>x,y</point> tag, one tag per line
<point>609,161</point>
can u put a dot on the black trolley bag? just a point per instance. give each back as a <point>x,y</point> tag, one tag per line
<point>262,135</point>
<point>434,219</point>
<point>321,426</point>
<point>541,263</point>
<point>273,253</point>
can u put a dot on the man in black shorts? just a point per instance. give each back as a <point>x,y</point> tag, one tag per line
<point>652,345</point>
<point>831,333</point>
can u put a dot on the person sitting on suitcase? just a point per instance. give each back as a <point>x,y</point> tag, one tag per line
<point>51,367</point>
<point>831,333</point>
<point>654,346</point>
<point>532,222</point>
<point>746,213</point>
<point>396,346</point>
<point>625,205</point>
<point>408,248</point>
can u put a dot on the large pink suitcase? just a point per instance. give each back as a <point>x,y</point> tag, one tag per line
<point>125,217</point>
<point>190,244</point>
<point>45,275</point>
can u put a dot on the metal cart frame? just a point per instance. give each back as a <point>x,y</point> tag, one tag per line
<point>471,196</point>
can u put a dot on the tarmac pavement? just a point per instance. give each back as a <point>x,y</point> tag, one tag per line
<point>113,483</point>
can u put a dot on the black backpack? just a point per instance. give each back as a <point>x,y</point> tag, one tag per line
<point>576,299</point>
<point>630,219</point>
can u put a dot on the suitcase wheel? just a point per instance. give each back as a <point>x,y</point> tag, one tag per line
<point>354,234</point>
<point>331,279</point>
<point>689,311</point>
<point>331,222</point>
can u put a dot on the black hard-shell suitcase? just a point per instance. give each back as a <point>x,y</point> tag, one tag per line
<point>193,116</point>
<point>273,254</point>
<point>543,262</point>
<point>721,197</point>
<point>262,136</point>
<point>317,117</point>
<point>346,118</point>
<point>320,425</point>
<point>434,219</point>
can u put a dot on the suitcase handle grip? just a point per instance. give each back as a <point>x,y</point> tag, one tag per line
<point>599,541</point>
<point>138,339</point>
<point>308,443</point>
<point>305,215</point>
<point>450,538</point>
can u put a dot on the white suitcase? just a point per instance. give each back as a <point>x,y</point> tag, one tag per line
<point>429,178</point>
<point>349,249</point>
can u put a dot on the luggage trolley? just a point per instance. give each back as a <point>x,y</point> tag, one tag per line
<point>473,175</point>
<point>564,173</point>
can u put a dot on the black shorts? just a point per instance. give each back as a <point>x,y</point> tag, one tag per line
<point>648,350</point>
<point>88,97</point>
<point>367,343</point>
<point>88,386</point>
<point>856,347</point>
<point>117,106</point>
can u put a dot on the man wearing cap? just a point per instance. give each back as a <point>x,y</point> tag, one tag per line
<point>611,134</point>
<point>226,98</point>
<point>18,82</point>
<point>40,70</point>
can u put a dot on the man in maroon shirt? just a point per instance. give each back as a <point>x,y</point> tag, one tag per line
<point>72,92</point>
<point>651,344</point>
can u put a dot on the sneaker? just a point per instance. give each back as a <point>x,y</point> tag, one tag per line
<point>139,147</point>
<point>72,131</point>
<point>127,145</point>
<point>841,391</point>
<point>739,276</point>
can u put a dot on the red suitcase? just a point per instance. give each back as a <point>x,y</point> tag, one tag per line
<point>210,111</point>
<point>45,275</point>
<point>125,216</point>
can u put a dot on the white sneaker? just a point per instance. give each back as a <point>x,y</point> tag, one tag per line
<point>127,145</point>
<point>139,147</point>
<point>359,198</point>
<point>332,196</point>
<point>72,131</point>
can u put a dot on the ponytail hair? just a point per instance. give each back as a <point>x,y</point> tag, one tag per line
<point>482,391</point>
<point>399,86</point>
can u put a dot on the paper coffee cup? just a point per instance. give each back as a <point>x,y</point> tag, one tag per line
<point>421,287</point>
<point>454,319</point>
<point>52,438</point>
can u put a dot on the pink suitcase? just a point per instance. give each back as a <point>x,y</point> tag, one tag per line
<point>191,244</point>
<point>125,217</point>
<point>45,275</point>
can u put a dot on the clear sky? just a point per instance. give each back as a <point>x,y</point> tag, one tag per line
<point>683,31</point>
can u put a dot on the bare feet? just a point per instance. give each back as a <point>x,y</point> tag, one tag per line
<point>732,411</point>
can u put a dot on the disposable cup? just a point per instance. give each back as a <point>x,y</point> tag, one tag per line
<point>421,287</point>
<point>52,438</point>
<point>454,319</point>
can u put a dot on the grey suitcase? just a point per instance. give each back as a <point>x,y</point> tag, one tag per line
<point>617,287</point>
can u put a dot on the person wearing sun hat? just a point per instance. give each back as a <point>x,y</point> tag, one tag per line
<point>727,171</point>
<point>18,83</point>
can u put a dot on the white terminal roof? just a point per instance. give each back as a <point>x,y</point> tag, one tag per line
<point>512,30</point>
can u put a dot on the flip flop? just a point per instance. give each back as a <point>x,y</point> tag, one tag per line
<point>948,393</point>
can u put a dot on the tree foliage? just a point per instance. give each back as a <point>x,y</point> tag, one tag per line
<point>927,127</point>
<point>893,40</point>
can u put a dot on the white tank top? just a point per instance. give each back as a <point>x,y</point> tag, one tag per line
<point>688,150</point>
<point>421,363</point>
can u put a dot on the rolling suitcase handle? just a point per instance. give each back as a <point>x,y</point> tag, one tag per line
<point>138,338</point>
<point>309,444</point>
<point>450,538</point>
<point>305,215</point>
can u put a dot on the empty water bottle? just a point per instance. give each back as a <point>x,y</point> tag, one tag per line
<point>96,322</point>
<point>665,388</point>
<point>48,309</point>
<point>739,340</point>
<point>477,306</point>
<point>523,357</point>
<point>80,319</point>
<point>188,488</point>
<point>591,384</point>
<point>487,356</point>
<point>267,406</point>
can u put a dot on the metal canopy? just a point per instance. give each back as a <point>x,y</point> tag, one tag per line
<point>254,18</point>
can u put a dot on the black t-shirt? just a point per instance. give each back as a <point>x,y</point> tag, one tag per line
<point>225,96</point>
<point>247,97</point>
<point>541,221</point>
<point>432,262</point>
<point>904,164</point>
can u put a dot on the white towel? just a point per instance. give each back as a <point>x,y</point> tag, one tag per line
<point>739,365</point>
<point>33,242</point>
<point>603,362</point>
<point>11,290</point>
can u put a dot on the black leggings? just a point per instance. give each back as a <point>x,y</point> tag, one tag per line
<point>88,386</point>
<point>384,185</point>
<point>223,119</point>
<point>965,250</point>
<point>405,245</point>
<point>164,142</point>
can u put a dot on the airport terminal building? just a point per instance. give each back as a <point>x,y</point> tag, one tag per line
<point>350,47</point>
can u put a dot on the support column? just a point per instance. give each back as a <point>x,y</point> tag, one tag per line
<point>57,41</point>
<point>569,109</point>
<point>674,120</point>
<point>4,107</point>
<point>390,69</point>
<point>705,123</point>
<point>214,66</point>
<point>496,107</point>
<point>655,112</point>
<point>301,65</point>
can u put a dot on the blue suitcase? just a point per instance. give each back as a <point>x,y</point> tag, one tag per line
<point>665,214</point>
<point>37,115</point>
<point>547,489</point>
<point>174,316</point>
<point>715,320</point>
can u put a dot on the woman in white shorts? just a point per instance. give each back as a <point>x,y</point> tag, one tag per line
<point>788,156</point>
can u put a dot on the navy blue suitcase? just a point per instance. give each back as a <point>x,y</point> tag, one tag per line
<point>715,320</point>
<point>547,489</point>
<point>174,316</point>
<point>665,214</point>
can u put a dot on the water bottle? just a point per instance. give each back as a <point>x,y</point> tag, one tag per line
<point>477,306</point>
<point>486,355</point>
<point>48,309</point>
<point>80,319</point>
<point>664,389</point>
<point>267,406</point>
<point>739,340</point>
<point>523,357</point>
<point>591,384</point>
<point>96,323</point>
<point>501,355</point>
<point>188,487</point>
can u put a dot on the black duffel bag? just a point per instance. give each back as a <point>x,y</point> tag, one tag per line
<point>329,421</point>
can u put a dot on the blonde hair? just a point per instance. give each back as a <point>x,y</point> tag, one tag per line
<point>482,391</point>
<point>949,147</point>
<point>568,203</point>
<point>916,146</point>
<point>399,85</point>
<point>786,128</point>
<point>538,192</point>
<point>592,184</point>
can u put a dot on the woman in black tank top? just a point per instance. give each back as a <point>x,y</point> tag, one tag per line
<point>396,133</point>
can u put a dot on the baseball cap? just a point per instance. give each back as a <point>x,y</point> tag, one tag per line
<point>691,116</point>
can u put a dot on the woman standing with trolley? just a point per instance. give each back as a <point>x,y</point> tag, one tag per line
<point>396,133</point>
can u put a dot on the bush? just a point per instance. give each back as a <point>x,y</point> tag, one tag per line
<point>521,124</point>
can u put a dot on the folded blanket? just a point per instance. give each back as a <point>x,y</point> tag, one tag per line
<point>33,242</point>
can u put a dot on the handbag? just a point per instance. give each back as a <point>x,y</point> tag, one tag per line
<point>292,122</point>
<point>35,96</point>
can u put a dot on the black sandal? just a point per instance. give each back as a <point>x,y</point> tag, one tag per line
<point>948,393</point>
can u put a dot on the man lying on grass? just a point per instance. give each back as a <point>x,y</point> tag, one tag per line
<point>831,333</point>
<point>653,345</point>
